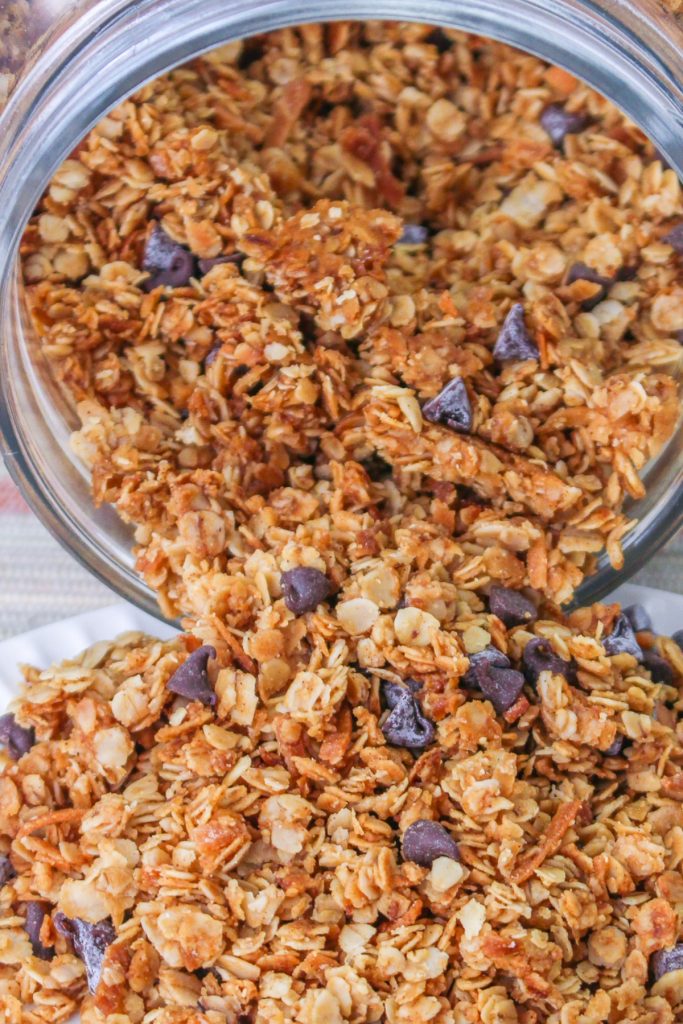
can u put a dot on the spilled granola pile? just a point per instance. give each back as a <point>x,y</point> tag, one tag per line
<point>369,331</point>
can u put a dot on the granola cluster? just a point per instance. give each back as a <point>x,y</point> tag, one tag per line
<point>369,330</point>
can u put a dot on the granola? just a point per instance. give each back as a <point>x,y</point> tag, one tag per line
<point>370,331</point>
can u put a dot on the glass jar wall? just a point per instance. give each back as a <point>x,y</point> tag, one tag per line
<point>62,69</point>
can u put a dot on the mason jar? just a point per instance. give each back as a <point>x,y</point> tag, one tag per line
<point>64,64</point>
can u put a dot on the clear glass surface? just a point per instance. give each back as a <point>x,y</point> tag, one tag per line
<point>64,64</point>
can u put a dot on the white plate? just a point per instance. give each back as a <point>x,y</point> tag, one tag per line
<point>65,639</point>
<point>41,647</point>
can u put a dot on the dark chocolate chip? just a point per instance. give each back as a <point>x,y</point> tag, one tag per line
<point>211,355</point>
<point>616,746</point>
<point>514,343</point>
<point>511,607</point>
<point>376,467</point>
<point>502,686</point>
<point>582,272</point>
<point>538,656</point>
<point>7,872</point>
<point>638,616</point>
<point>90,942</point>
<point>558,123</point>
<point>674,238</point>
<point>15,737</point>
<point>392,692</point>
<point>191,680</point>
<point>304,589</point>
<point>168,262</point>
<point>35,915</point>
<point>666,960</point>
<point>425,840</point>
<point>677,637</point>
<point>407,726</point>
<point>451,407</point>
<point>658,667</point>
<point>414,234</point>
<point>622,639</point>
<point>440,40</point>
<point>206,265</point>
<point>489,656</point>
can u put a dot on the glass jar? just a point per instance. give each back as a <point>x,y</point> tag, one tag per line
<point>62,66</point>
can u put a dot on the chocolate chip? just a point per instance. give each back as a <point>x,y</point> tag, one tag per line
<point>666,960</point>
<point>440,40</point>
<point>538,656</point>
<point>15,737</point>
<point>414,234</point>
<point>205,266</point>
<point>502,686</point>
<point>622,639</point>
<point>616,746</point>
<point>558,123</point>
<point>392,692</point>
<point>90,942</point>
<point>407,726</point>
<point>425,840</point>
<point>582,272</point>
<point>638,617</point>
<point>191,680</point>
<point>514,343</point>
<point>211,355</point>
<point>489,656</point>
<point>35,915</point>
<point>304,589</point>
<point>677,638</point>
<point>511,607</point>
<point>7,872</point>
<point>451,407</point>
<point>674,238</point>
<point>167,262</point>
<point>658,667</point>
<point>376,467</point>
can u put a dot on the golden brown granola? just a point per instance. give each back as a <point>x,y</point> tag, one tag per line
<point>255,279</point>
<point>250,859</point>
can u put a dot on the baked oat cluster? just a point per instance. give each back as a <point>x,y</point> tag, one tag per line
<point>369,330</point>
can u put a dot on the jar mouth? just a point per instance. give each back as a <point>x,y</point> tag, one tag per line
<point>626,57</point>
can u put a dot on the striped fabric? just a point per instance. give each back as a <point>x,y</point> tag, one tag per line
<point>41,583</point>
